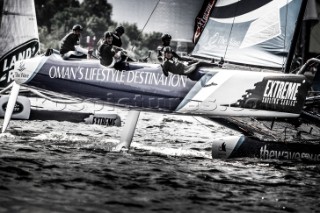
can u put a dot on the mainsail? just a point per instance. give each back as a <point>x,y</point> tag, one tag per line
<point>250,32</point>
<point>18,34</point>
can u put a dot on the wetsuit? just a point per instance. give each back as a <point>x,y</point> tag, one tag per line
<point>173,66</point>
<point>116,40</point>
<point>106,54</point>
<point>161,54</point>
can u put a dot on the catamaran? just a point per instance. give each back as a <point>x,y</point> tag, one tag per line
<point>253,44</point>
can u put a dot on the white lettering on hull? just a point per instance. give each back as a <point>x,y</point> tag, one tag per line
<point>265,153</point>
<point>111,75</point>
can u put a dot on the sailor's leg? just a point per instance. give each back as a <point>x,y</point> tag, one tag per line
<point>73,54</point>
<point>67,55</point>
<point>165,71</point>
<point>191,68</point>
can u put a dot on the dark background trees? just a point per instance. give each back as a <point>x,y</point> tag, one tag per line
<point>55,19</point>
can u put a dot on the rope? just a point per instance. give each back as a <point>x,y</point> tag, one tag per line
<point>202,123</point>
<point>70,101</point>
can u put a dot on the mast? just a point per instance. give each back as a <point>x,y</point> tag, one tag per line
<point>295,36</point>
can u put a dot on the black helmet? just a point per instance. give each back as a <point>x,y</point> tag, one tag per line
<point>166,37</point>
<point>107,34</point>
<point>167,49</point>
<point>77,27</point>
<point>120,29</point>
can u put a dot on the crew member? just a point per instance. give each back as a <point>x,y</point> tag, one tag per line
<point>118,32</point>
<point>68,43</point>
<point>173,65</point>
<point>110,55</point>
<point>166,40</point>
<point>116,42</point>
<point>106,51</point>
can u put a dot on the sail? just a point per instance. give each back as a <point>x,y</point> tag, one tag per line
<point>18,34</point>
<point>250,32</point>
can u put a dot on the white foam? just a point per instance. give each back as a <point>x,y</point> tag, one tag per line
<point>169,151</point>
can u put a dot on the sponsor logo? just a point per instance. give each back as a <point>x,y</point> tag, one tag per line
<point>202,19</point>
<point>275,94</point>
<point>281,92</point>
<point>21,74</point>
<point>111,75</point>
<point>222,147</point>
<point>104,121</point>
<point>21,67</point>
<point>266,153</point>
<point>220,151</point>
<point>24,51</point>
<point>18,107</point>
<point>219,41</point>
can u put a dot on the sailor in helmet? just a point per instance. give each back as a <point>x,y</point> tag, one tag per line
<point>166,40</point>
<point>118,32</point>
<point>175,66</point>
<point>68,45</point>
<point>106,52</point>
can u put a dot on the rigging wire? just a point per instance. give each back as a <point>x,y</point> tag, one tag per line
<point>41,95</point>
<point>200,122</point>
<point>284,43</point>
<point>155,7</point>
<point>151,14</point>
<point>225,53</point>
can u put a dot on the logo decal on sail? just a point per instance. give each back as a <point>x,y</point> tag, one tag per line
<point>21,67</point>
<point>24,51</point>
<point>202,18</point>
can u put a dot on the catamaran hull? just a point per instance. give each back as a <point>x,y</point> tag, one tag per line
<point>209,91</point>
<point>249,147</point>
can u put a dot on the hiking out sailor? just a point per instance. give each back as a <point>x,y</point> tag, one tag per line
<point>69,45</point>
<point>118,32</point>
<point>174,65</point>
<point>166,40</point>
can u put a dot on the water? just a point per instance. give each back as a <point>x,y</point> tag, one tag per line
<point>67,167</point>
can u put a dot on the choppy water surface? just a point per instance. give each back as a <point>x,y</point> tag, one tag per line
<point>66,167</point>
